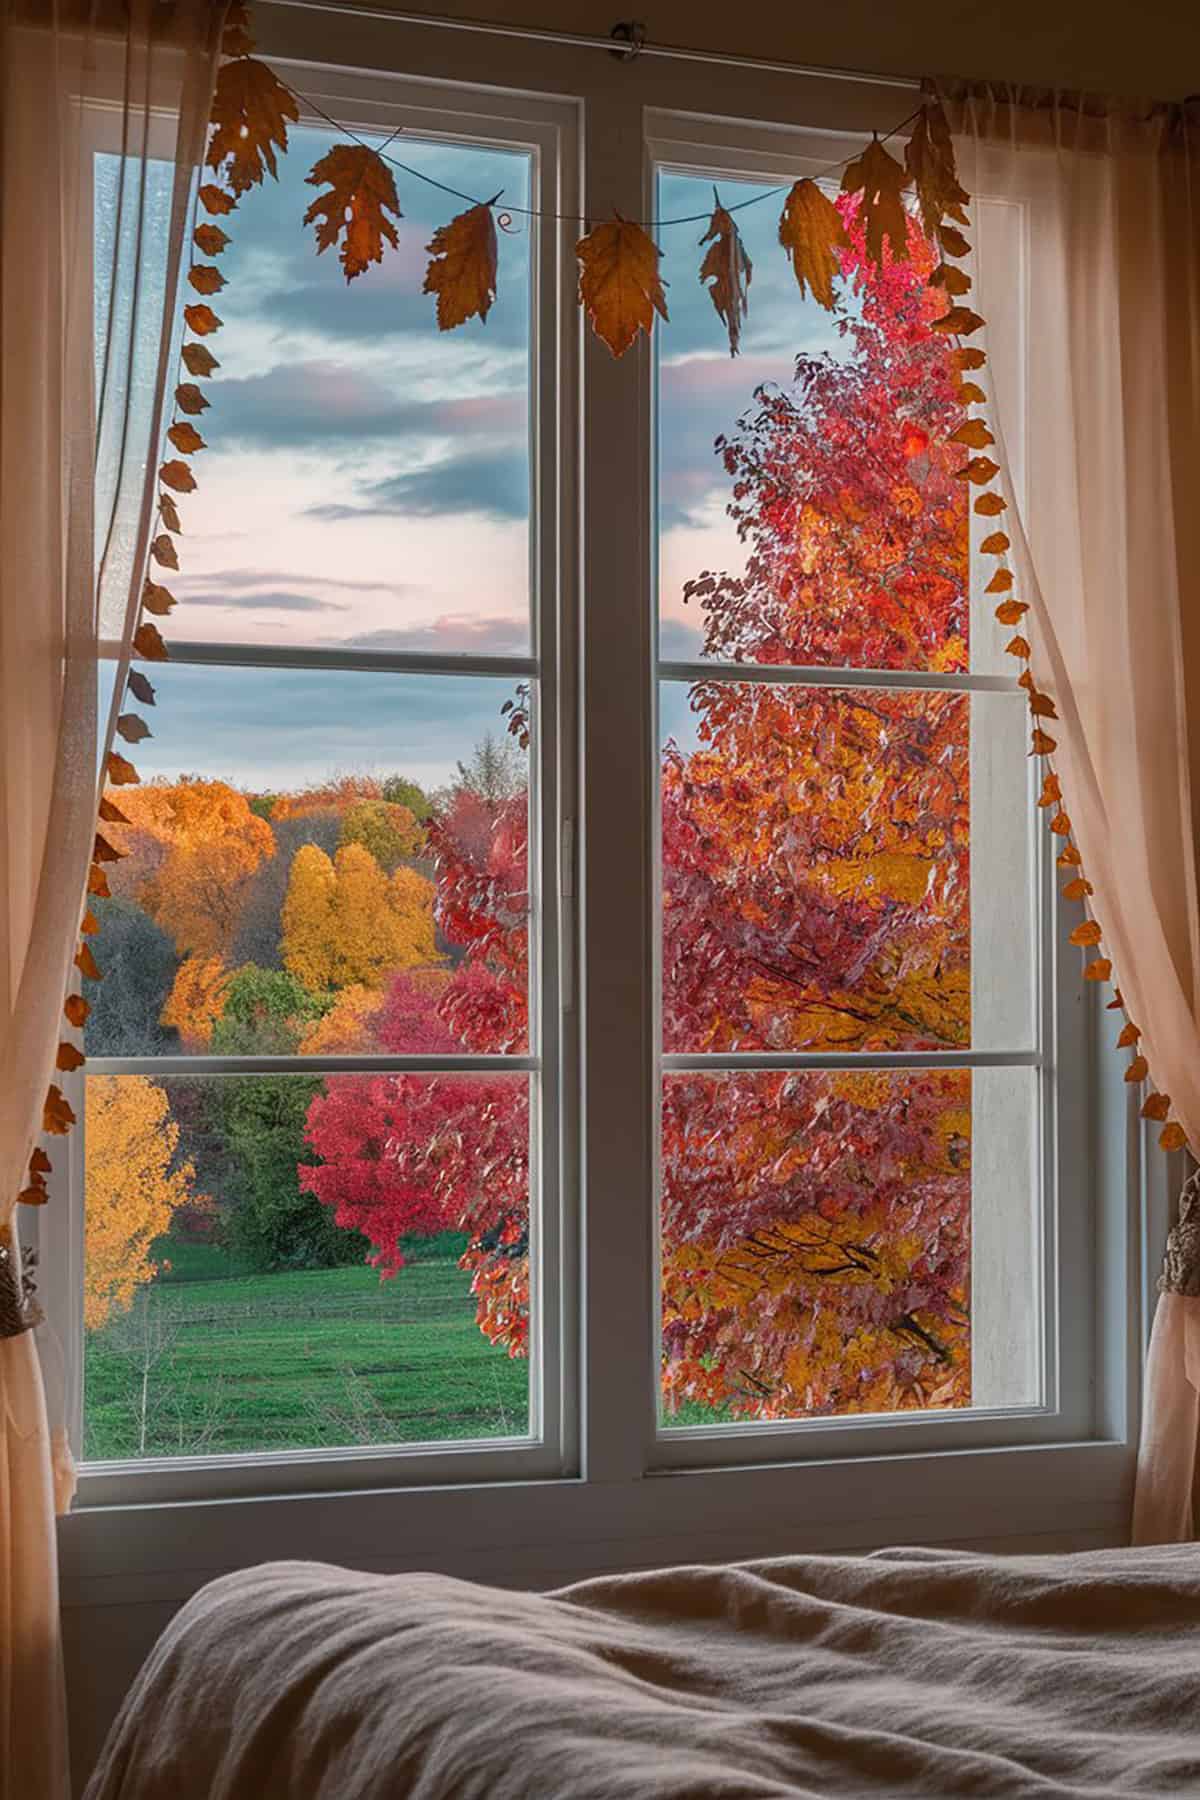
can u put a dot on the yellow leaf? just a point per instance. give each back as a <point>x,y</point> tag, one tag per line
<point>157,599</point>
<point>361,193</point>
<point>1078,889</point>
<point>148,643</point>
<point>979,469</point>
<point>812,233</point>
<point>205,279</point>
<point>619,283</point>
<point>954,281</point>
<point>1138,1069</point>
<point>77,1010</point>
<point>202,319</point>
<point>177,475</point>
<point>210,240</point>
<point>1011,612</point>
<point>86,963</point>
<point>69,1058</point>
<point>929,154</point>
<point>250,111</point>
<point>1069,857</point>
<point>995,543</point>
<point>1087,933</point>
<point>1100,970</point>
<point>186,438</point>
<point>188,397</point>
<point>170,512</point>
<point>974,434</point>
<point>1000,583</point>
<point>1129,1035</point>
<point>1172,1137</point>
<point>1156,1106</point>
<point>1042,743</point>
<point>988,505</point>
<point>1060,825</point>
<point>880,181</point>
<point>726,270</point>
<point>198,360</point>
<point>957,321</point>
<point>1051,791</point>
<point>216,200</point>
<point>120,771</point>
<point>1018,646</point>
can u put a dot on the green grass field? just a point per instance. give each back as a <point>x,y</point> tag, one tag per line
<point>212,1360</point>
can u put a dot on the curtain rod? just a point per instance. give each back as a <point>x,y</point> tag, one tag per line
<point>624,42</point>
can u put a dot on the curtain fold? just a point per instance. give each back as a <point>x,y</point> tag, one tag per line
<point>1101,386</point>
<point>103,110</point>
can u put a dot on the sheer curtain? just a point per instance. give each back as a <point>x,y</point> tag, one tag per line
<point>1101,203</point>
<point>96,100</point>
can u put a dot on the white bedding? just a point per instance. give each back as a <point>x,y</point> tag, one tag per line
<point>913,1672</point>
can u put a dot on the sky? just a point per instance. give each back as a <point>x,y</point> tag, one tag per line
<point>367,478</point>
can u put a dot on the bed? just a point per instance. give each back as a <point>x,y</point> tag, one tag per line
<point>909,1672</point>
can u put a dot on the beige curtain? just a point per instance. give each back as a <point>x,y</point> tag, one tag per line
<point>102,117</point>
<point>1096,397</point>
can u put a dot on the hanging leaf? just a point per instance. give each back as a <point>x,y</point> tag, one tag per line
<point>1018,646</point>
<point>163,551</point>
<point>57,1117</point>
<point>978,470</point>
<point>139,687</point>
<point>989,505</point>
<point>812,233</point>
<point>1078,889</point>
<point>1043,744</point>
<point>462,267</point>
<point>929,155</point>
<point>188,397</point>
<point>186,438</point>
<point>880,181</point>
<point>86,963</point>
<point>1129,1036</point>
<point>177,475</point>
<point>995,543</point>
<point>235,38</point>
<point>1138,1069</point>
<point>97,883</point>
<point>77,1009</point>
<point>198,360</point>
<point>205,279</point>
<point>1051,791</point>
<point>250,113</point>
<point>157,599</point>
<point>202,319</point>
<point>210,240</point>
<point>968,356</point>
<point>1100,970</point>
<point>216,200</point>
<point>726,270</point>
<point>133,729</point>
<point>120,772</point>
<point>39,1162</point>
<point>950,279</point>
<point>953,242</point>
<point>169,512</point>
<point>1087,933</point>
<point>957,321</point>
<point>619,282</point>
<point>362,191</point>
<point>971,394</point>
<point>1172,1137</point>
<point>974,434</point>
<point>69,1058</point>
<point>1000,583</point>
<point>1060,825</point>
<point>1011,612</point>
<point>1156,1106</point>
<point>148,643</point>
<point>1068,857</point>
<point>1042,706</point>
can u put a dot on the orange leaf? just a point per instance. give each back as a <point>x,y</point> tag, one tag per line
<point>988,505</point>
<point>89,924</point>
<point>954,281</point>
<point>86,963</point>
<point>69,1058</point>
<point>1087,933</point>
<point>880,181</point>
<point>250,111</point>
<point>205,279</point>
<point>170,512</point>
<point>187,440</point>
<point>361,193</point>
<point>1172,1137</point>
<point>216,200</point>
<point>1117,1001</point>
<point>1042,706</point>
<point>953,242</point>
<point>812,233</point>
<point>979,469</point>
<point>1129,1036</point>
<point>1078,889</point>
<point>1060,825</point>
<point>157,599</point>
<point>970,393</point>
<point>177,475</point>
<point>929,154</point>
<point>1100,970</point>
<point>1069,857</point>
<point>957,321</point>
<point>188,397</point>
<point>1050,791</point>
<point>1138,1069</point>
<point>1156,1106</point>
<point>148,643</point>
<point>727,271</point>
<point>77,1010</point>
<point>462,267</point>
<point>202,319</point>
<point>1011,612</point>
<point>133,729</point>
<point>995,543</point>
<point>974,434</point>
<point>97,883</point>
<point>968,356</point>
<point>39,1163</point>
<point>111,814</point>
<point>236,39</point>
<point>1000,583</point>
<point>619,283</point>
<point>1043,744</point>
<point>210,240</point>
<point>1018,646</point>
<point>120,772</point>
<point>164,551</point>
<point>198,360</point>
<point>33,1195</point>
<point>57,1117</point>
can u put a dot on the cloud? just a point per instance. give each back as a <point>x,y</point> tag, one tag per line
<point>453,634</point>
<point>268,600</point>
<point>490,484</point>
<point>242,581</point>
<point>678,641</point>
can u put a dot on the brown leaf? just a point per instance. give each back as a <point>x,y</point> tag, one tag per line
<point>1051,791</point>
<point>111,814</point>
<point>957,321</point>
<point>205,279</point>
<point>462,267</point>
<point>169,512</point>
<point>210,240</point>
<point>968,356</point>
<point>929,155</point>
<point>1087,933</point>
<point>974,434</point>
<point>86,963</point>
<point>1043,744</point>
<point>619,282</point>
<point>1018,646</point>
<point>812,233</point>
<point>133,729</point>
<point>995,543</point>
<point>954,281</point>
<point>120,771</point>
<point>1068,857</point>
<point>1042,706</point>
<point>216,200</point>
<point>880,181</point>
<point>1117,1001</point>
<point>77,1010</point>
<point>726,270</point>
<point>188,397</point>
<point>1100,970</point>
<point>163,551</point>
<point>202,319</point>
<point>148,643</point>
<point>39,1162</point>
<point>89,924</point>
<point>1138,1069</point>
<point>1011,612</point>
<point>140,688</point>
<point>1156,1106</point>
<point>1078,889</point>
<point>953,242</point>
<point>177,475</point>
<point>1000,583</point>
<point>157,599</point>
<point>1172,1137</point>
<point>186,438</point>
<point>97,883</point>
<point>33,1195</point>
<point>1130,1034</point>
<point>198,360</point>
<point>1060,825</point>
<point>57,1117</point>
<point>979,469</point>
<point>250,111</point>
<point>69,1058</point>
<point>988,505</point>
<point>361,193</point>
<point>236,39</point>
<point>1026,681</point>
<point>970,393</point>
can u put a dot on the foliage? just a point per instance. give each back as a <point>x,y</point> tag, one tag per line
<point>345,922</point>
<point>134,1184</point>
<point>361,193</point>
<point>256,938</point>
<point>389,831</point>
<point>348,1028</point>
<point>265,1013</point>
<point>271,1218</point>
<point>207,843</point>
<point>726,271</point>
<point>398,790</point>
<point>197,1000</point>
<point>620,287</point>
<point>139,961</point>
<point>462,267</point>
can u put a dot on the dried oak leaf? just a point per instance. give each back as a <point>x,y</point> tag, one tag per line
<point>968,356</point>
<point>1138,1069</point>
<point>1042,744</point>
<point>210,240</point>
<point>188,397</point>
<point>186,438</point>
<point>462,267</point>
<point>1156,1106</point>
<point>76,1009</point>
<point>157,599</point>
<point>202,320</point>
<point>39,1162</point>
<point>1130,1033</point>
<point>250,113</point>
<point>361,193</point>
<point>812,233</point>
<point>1042,706</point>
<point>619,283</point>
<point>198,360</point>
<point>880,181</point>
<point>133,729</point>
<point>1051,791</point>
<point>163,551</point>
<point>57,1117</point>
<point>1060,825</point>
<point>236,39</point>
<point>69,1058</point>
<point>177,475</point>
<point>205,279</point>
<point>974,434</point>
<point>929,155</point>
<point>139,687</point>
<point>216,200</point>
<point>1172,1137</point>
<point>170,513</point>
<point>121,772</point>
<point>148,643</point>
<point>33,1195</point>
<point>726,271</point>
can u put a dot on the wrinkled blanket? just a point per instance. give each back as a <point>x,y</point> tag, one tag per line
<point>911,1672</point>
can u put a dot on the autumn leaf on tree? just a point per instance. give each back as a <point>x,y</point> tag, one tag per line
<point>880,181</point>
<point>250,111</point>
<point>462,267</point>
<point>361,193</point>
<point>811,231</point>
<point>726,270</point>
<point>619,283</point>
<point>929,155</point>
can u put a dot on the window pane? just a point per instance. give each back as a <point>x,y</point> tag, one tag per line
<point>838,1243</point>
<point>367,480</point>
<point>285,1262</point>
<point>809,507</point>
<point>319,863</point>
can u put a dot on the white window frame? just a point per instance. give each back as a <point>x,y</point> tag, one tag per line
<point>614,1494</point>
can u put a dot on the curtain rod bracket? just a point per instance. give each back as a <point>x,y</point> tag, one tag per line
<point>631,35</point>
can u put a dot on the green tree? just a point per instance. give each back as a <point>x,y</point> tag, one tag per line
<point>398,790</point>
<point>270,1221</point>
<point>389,831</point>
<point>266,1012</point>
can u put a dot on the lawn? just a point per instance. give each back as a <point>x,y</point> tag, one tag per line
<point>212,1360</point>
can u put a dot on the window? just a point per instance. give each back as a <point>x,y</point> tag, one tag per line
<point>584,871</point>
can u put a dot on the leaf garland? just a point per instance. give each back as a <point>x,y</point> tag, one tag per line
<point>250,113</point>
<point>462,267</point>
<point>929,158</point>
<point>361,193</point>
<point>620,287</point>
<point>880,181</point>
<point>812,233</point>
<point>726,271</point>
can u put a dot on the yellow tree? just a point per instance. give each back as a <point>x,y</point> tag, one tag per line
<point>346,923</point>
<point>348,1028</point>
<point>132,1190</point>
<point>214,845</point>
<point>197,999</point>
<point>308,918</point>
